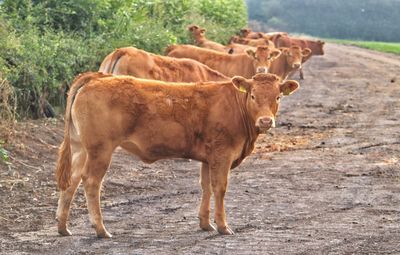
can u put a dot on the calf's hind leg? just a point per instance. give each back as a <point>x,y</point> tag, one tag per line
<point>96,165</point>
<point>66,196</point>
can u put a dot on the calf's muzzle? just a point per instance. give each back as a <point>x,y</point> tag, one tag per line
<point>265,123</point>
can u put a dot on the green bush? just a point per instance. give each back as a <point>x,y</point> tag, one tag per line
<point>44,44</point>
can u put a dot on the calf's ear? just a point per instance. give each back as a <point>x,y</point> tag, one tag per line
<point>192,27</point>
<point>306,52</point>
<point>288,87</point>
<point>242,84</point>
<point>284,50</point>
<point>203,30</point>
<point>275,54</point>
<point>251,52</point>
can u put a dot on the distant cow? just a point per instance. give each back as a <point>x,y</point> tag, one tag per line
<point>252,42</point>
<point>317,47</point>
<point>245,64</point>
<point>198,34</point>
<point>247,33</point>
<point>141,64</point>
<point>237,48</point>
<point>289,61</point>
<point>216,123</point>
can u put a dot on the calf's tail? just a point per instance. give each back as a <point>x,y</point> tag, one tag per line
<point>64,162</point>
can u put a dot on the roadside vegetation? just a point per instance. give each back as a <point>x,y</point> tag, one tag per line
<point>377,46</point>
<point>45,44</point>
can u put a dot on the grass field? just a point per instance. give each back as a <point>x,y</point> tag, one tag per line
<point>378,46</point>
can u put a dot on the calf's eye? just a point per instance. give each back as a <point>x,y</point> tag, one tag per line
<point>278,99</point>
<point>253,97</point>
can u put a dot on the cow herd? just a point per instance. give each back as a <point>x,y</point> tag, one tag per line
<point>207,102</point>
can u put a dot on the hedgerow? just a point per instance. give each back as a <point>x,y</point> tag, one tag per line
<point>44,44</point>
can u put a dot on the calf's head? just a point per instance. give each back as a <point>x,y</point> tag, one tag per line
<point>196,31</point>
<point>262,57</point>
<point>245,32</point>
<point>235,39</point>
<point>294,56</point>
<point>264,92</point>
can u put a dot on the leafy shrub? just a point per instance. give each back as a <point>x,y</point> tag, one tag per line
<point>45,44</point>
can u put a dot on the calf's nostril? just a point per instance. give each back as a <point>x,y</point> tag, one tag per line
<point>266,121</point>
<point>261,69</point>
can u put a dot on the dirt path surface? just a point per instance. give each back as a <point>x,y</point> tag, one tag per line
<point>325,181</point>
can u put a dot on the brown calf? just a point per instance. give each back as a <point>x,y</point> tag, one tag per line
<point>289,61</point>
<point>247,33</point>
<point>216,123</point>
<point>317,47</point>
<point>141,64</point>
<point>252,42</point>
<point>198,34</point>
<point>237,48</point>
<point>245,64</point>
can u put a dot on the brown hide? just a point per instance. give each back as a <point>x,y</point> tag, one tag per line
<point>141,64</point>
<point>245,64</point>
<point>214,122</point>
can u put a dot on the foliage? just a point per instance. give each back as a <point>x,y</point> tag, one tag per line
<point>358,19</point>
<point>44,44</point>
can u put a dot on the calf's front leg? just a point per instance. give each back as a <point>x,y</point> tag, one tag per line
<point>219,172</point>
<point>301,73</point>
<point>204,211</point>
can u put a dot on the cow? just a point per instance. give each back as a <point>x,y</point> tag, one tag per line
<point>317,47</point>
<point>274,36</point>
<point>252,42</point>
<point>275,33</point>
<point>289,61</point>
<point>141,64</point>
<point>245,64</point>
<point>215,123</point>
<point>237,48</point>
<point>247,33</point>
<point>198,34</point>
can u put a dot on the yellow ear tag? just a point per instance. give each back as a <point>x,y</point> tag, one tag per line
<point>242,89</point>
<point>286,91</point>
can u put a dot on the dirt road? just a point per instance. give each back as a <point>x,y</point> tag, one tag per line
<point>325,181</point>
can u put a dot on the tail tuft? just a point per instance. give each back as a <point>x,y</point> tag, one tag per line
<point>63,172</point>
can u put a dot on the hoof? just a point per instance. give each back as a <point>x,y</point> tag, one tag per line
<point>64,232</point>
<point>225,231</point>
<point>104,234</point>
<point>207,227</point>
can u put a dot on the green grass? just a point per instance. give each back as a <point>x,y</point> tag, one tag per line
<point>389,47</point>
